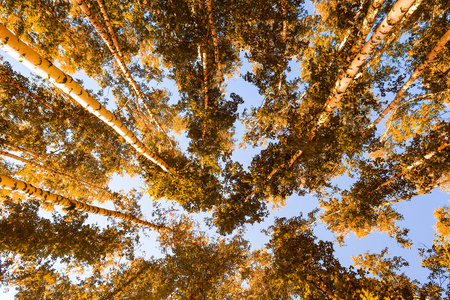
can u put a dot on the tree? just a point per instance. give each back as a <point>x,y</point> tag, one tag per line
<point>69,204</point>
<point>327,73</point>
<point>45,68</point>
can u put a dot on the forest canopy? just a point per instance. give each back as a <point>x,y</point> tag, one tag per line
<point>351,107</point>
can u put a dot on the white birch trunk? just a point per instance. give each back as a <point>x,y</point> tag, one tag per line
<point>44,68</point>
<point>28,189</point>
<point>394,16</point>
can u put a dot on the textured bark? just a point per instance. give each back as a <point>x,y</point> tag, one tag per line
<point>206,94</point>
<point>351,29</point>
<point>43,67</point>
<point>366,25</point>
<point>17,148</point>
<point>417,72</point>
<point>118,55</point>
<point>284,39</point>
<point>394,35</point>
<point>21,88</point>
<point>28,189</point>
<point>394,17</point>
<point>18,85</point>
<point>50,170</point>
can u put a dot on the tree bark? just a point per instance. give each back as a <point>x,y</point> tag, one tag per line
<point>437,185</point>
<point>206,92</point>
<point>19,86</point>
<point>55,109</point>
<point>43,67</point>
<point>28,189</point>
<point>391,38</point>
<point>394,17</point>
<point>17,148</point>
<point>366,25</point>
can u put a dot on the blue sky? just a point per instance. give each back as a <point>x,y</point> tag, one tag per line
<point>418,212</point>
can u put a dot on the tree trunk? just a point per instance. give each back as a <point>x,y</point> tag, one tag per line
<point>206,92</point>
<point>394,16</point>
<point>215,39</point>
<point>417,72</point>
<point>366,26</point>
<point>26,188</point>
<point>18,85</point>
<point>351,29</point>
<point>391,38</point>
<point>43,67</point>
<point>17,148</point>
<point>437,185</point>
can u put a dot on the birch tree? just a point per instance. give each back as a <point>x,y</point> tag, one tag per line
<point>324,71</point>
<point>46,69</point>
<point>23,187</point>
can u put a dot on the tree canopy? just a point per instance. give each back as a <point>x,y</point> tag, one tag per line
<point>351,107</point>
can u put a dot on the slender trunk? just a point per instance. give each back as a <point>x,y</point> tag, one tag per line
<point>215,39</point>
<point>43,67</point>
<point>17,148</point>
<point>366,26</point>
<point>26,188</point>
<point>351,29</point>
<point>113,45</point>
<point>55,109</point>
<point>50,170</point>
<point>112,34</point>
<point>206,92</point>
<point>417,72</point>
<point>394,16</point>
<point>284,40</point>
<point>413,165</point>
<point>388,23</point>
<point>420,97</point>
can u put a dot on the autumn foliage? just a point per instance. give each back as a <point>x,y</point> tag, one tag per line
<point>346,91</point>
